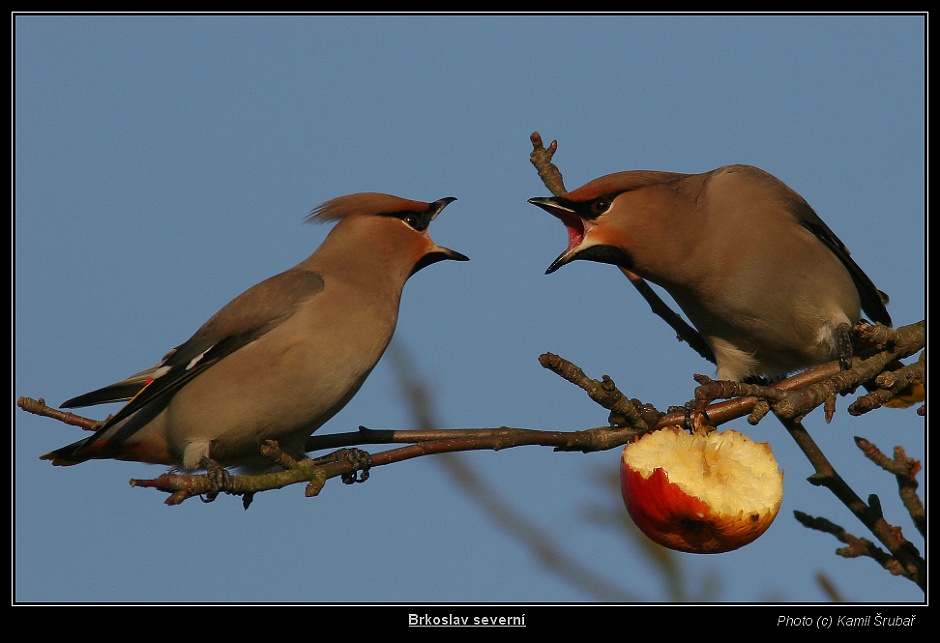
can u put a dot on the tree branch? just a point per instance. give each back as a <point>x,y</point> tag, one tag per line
<point>879,369</point>
<point>856,546</point>
<point>908,560</point>
<point>889,383</point>
<point>790,398</point>
<point>905,470</point>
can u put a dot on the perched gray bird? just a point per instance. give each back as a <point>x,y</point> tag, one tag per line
<point>281,358</point>
<point>770,288</point>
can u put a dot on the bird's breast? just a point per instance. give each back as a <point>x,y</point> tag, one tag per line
<point>288,382</point>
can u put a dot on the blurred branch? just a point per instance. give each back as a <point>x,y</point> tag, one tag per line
<point>889,382</point>
<point>791,400</point>
<point>829,588</point>
<point>879,369</point>
<point>668,564</point>
<point>904,560</point>
<point>417,397</point>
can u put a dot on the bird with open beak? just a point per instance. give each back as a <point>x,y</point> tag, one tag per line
<point>767,284</point>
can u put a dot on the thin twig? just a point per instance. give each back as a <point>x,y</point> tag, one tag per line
<point>909,561</point>
<point>905,470</point>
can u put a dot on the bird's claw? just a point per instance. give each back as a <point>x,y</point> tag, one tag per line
<point>219,479</point>
<point>361,460</point>
<point>844,349</point>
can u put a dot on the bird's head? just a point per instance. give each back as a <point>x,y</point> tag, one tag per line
<point>390,224</point>
<point>600,215</point>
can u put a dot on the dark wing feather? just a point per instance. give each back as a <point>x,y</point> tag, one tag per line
<point>119,392</point>
<point>242,321</point>
<point>873,300</point>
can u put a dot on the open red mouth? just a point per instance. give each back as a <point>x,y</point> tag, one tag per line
<point>574,225</point>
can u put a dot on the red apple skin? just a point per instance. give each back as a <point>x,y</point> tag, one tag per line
<point>669,516</point>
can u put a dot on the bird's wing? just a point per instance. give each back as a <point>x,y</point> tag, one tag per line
<point>242,321</point>
<point>873,300</point>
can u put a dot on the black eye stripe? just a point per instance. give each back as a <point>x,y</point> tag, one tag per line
<point>592,209</point>
<point>417,220</point>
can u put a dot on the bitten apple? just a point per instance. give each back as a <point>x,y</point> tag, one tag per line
<point>700,493</point>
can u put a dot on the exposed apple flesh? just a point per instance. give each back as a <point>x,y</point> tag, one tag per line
<point>701,493</point>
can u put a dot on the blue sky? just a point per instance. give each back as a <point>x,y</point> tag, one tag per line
<point>163,164</point>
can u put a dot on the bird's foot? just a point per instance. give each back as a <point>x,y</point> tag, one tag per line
<point>219,479</point>
<point>844,348</point>
<point>757,380</point>
<point>696,417</point>
<point>361,460</point>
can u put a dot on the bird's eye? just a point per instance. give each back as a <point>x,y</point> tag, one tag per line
<point>601,205</point>
<point>411,219</point>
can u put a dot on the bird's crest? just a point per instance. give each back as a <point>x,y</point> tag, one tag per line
<point>620,182</point>
<point>363,204</point>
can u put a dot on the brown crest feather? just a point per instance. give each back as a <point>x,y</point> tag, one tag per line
<point>363,204</point>
<point>621,182</point>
